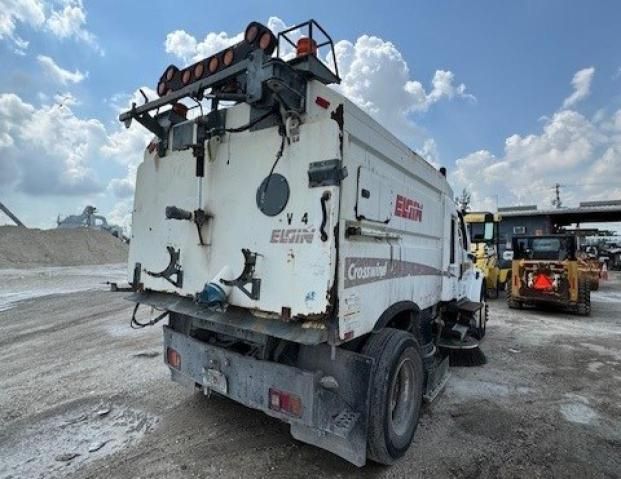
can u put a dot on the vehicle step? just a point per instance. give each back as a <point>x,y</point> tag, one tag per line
<point>344,423</point>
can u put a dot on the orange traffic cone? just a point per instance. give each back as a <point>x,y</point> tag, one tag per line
<point>604,272</point>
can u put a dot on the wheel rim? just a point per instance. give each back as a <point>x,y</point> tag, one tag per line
<point>402,402</point>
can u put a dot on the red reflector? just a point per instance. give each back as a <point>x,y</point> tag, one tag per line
<point>322,102</point>
<point>542,281</point>
<point>515,281</point>
<point>285,402</point>
<point>173,358</point>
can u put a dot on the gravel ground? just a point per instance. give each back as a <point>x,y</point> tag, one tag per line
<point>83,395</point>
<point>30,248</point>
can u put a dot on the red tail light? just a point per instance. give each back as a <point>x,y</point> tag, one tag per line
<point>285,402</point>
<point>173,358</point>
<point>543,282</point>
<point>322,102</point>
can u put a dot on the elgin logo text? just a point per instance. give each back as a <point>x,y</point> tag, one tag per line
<point>410,209</point>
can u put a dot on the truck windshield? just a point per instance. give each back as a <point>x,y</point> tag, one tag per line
<point>558,249</point>
<point>481,232</point>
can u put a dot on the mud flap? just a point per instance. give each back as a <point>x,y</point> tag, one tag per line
<point>342,412</point>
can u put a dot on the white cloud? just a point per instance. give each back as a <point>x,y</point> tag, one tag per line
<point>61,18</point>
<point>121,214</point>
<point>12,12</point>
<point>378,79</point>
<point>582,86</point>
<point>429,151</point>
<point>48,150</point>
<point>126,146</point>
<point>70,21</point>
<point>582,155</point>
<point>122,187</point>
<point>59,74</point>
<point>181,44</point>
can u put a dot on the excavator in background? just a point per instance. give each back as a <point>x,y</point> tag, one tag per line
<point>88,219</point>
<point>483,232</point>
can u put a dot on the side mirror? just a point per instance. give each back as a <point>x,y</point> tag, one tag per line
<point>507,255</point>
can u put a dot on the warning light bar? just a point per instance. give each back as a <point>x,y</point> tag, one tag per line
<point>257,36</point>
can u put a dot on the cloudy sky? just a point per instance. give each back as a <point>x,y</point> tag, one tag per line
<point>512,97</point>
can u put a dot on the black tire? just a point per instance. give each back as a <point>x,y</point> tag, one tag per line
<point>594,285</point>
<point>512,303</point>
<point>583,308</point>
<point>397,370</point>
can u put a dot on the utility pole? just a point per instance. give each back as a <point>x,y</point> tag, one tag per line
<point>556,202</point>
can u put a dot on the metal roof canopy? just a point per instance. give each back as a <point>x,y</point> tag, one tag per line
<point>566,216</point>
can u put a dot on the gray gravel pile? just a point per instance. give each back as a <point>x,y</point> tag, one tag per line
<point>27,248</point>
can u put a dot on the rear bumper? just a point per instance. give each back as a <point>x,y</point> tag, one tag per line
<point>239,319</point>
<point>543,299</point>
<point>334,419</point>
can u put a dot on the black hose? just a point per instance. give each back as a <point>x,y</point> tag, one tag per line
<point>135,324</point>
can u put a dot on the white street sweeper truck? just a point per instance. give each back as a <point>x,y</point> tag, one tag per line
<point>310,265</point>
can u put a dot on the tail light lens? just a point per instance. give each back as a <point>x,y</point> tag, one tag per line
<point>285,402</point>
<point>173,358</point>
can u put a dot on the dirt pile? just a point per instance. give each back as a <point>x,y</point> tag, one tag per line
<point>27,248</point>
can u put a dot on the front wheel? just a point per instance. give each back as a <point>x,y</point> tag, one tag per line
<point>396,393</point>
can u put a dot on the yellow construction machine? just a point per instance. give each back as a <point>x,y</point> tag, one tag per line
<point>546,271</point>
<point>483,231</point>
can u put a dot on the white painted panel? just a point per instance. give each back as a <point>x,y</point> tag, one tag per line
<point>375,197</point>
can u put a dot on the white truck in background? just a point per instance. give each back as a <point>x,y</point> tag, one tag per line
<point>311,265</point>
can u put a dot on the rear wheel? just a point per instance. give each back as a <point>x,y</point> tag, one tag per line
<point>396,393</point>
<point>583,307</point>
